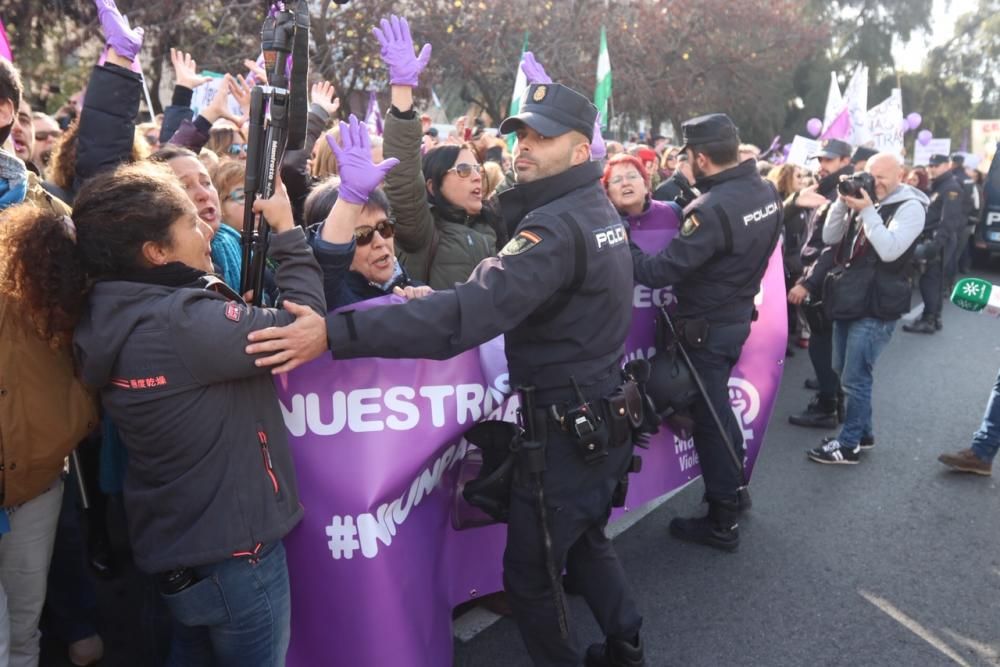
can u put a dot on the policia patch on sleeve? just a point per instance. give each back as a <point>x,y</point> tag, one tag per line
<point>523,242</point>
<point>691,225</point>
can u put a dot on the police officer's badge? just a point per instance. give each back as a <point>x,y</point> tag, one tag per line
<point>691,223</point>
<point>539,94</point>
<point>952,195</point>
<point>523,242</point>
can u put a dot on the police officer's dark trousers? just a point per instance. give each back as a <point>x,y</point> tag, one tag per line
<point>931,285</point>
<point>714,362</point>
<point>578,500</point>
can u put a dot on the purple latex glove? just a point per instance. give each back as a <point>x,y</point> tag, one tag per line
<point>598,151</point>
<point>533,69</point>
<point>358,175</point>
<point>126,41</point>
<point>397,52</point>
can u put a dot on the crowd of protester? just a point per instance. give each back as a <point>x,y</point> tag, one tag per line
<point>106,219</point>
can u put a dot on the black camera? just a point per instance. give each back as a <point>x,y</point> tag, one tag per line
<point>852,186</point>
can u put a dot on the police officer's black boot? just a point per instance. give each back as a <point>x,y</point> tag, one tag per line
<point>719,528</point>
<point>937,323</point>
<point>616,653</point>
<point>925,325</point>
<point>820,413</point>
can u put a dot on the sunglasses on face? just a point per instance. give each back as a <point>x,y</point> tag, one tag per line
<point>464,170</point>
<point>237,149</point>
<point>237,196</point>
<point>364,234</point>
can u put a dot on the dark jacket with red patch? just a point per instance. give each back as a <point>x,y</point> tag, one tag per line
<point>209,470</point>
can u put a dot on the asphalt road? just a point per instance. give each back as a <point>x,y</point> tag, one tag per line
<point>895,561</point>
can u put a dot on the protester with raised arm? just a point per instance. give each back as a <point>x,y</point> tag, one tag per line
<point>443,229</point>
<point>354,245</point>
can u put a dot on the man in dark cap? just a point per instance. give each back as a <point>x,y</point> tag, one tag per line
<point>715,265</point>
<point>861,156</point>
<point>561,291</point>
<point>825,409</point>
<point>937,243</point>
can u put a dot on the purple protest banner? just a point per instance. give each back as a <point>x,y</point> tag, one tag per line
<point>376,565</point>
<point>5,51</point>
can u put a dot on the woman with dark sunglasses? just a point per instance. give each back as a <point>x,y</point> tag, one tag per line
<point>355,244</point>
<point>444,229</point>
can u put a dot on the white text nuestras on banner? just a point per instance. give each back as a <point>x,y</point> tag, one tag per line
<point>400,408</point>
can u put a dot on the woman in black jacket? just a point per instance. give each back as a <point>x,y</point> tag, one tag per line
<point>210,489</point>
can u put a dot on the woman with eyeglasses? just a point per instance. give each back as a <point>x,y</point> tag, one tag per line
<point>228,178</point>
<point>355,244</point>
<point>444,229</point>
<point>227,142</point>
<point>627,184</point>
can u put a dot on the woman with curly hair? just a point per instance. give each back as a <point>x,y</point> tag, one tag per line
<point>44,413</point>
<point>210,490</point>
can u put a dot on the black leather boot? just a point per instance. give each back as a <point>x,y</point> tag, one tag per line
<point>937,323</point>
<point>925,325</point>
<point>616,653</point>
<point>820,413</point>
<point>719,528</point>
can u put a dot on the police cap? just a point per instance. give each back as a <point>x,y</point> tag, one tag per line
<point>938,159</point>
<point>551,110</point>
<point>833,149</point>
<point>958,159</point>
<point>708,129</point>
<point>862,154</point>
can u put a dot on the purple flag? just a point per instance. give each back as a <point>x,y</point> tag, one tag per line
<point>775,145</point>
<point>377,563</point>
<point>5,51</point>
<point>373,117</point>
<point>840,128</point>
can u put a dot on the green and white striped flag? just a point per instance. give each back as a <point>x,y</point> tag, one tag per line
<point>602,94</point>
<point>520,85</point>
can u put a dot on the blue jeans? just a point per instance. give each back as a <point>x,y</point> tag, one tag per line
<point>986,440</point>
<point>856,346</point>
<point>238,613</point>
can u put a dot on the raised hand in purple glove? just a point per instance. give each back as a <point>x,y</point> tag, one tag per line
<point>359,176</point>
<point>598,151</point>
<point>533,69</point>
<point>397,52</point>
<point>126,41</point>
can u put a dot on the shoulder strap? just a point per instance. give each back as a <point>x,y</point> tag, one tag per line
<point>727,229</point>
<point>558,302</point>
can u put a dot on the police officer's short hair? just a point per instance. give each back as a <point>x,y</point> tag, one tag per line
<point>721,152</point>
<point>11,87</point>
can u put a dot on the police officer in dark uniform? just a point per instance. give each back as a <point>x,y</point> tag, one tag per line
<point>937,242</point>
<point>715,265</point>
<point>561,290</point>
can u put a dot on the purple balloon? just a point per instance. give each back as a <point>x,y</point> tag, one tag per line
<point>814,126</point>
<point>786,149</point>
<point>924,137</point>
<point>914,120</point>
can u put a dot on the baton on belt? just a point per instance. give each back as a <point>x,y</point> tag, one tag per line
<point>742,492</point>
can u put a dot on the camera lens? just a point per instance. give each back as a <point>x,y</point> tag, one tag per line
<point>849,188</point>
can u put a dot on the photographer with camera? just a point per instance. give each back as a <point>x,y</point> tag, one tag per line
<point>874,224</point>
<point>945,221</point>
